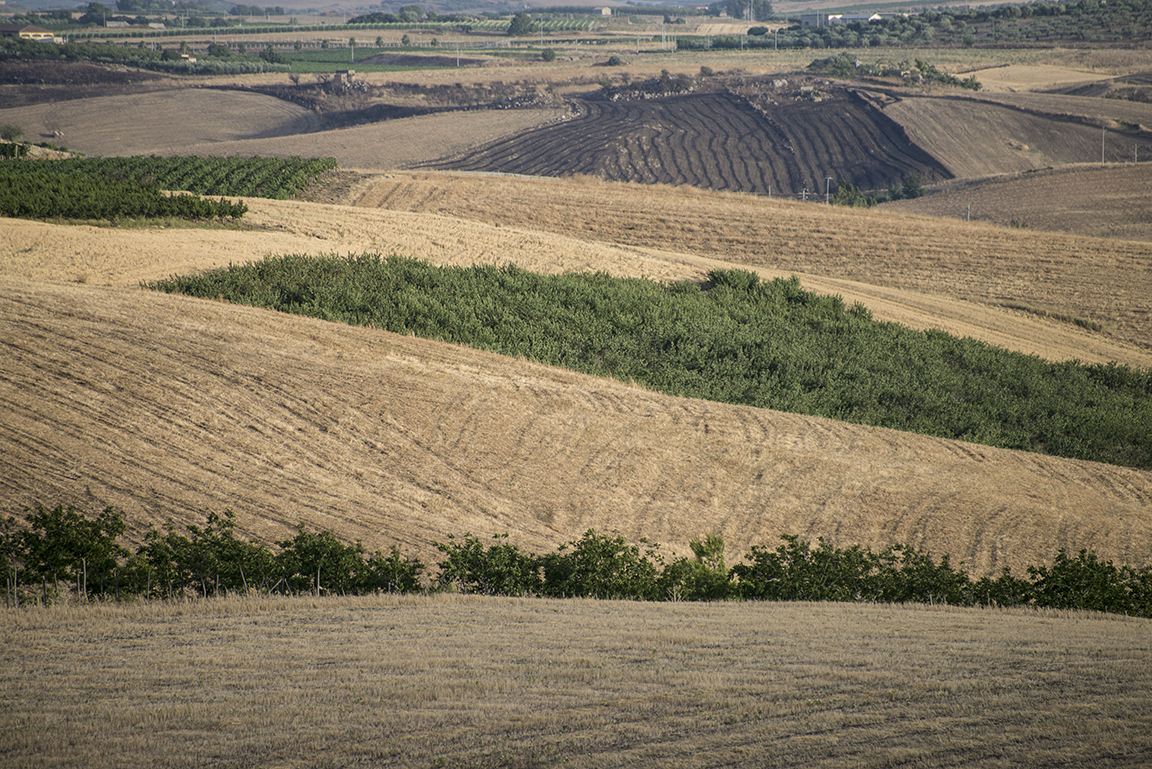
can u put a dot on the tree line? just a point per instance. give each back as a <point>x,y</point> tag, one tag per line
<point>60,552</point>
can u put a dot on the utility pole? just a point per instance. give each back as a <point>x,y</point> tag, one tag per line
<point>1101,145</point>
<point>827,183</point>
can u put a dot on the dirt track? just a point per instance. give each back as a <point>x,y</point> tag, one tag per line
<point>168,407</point>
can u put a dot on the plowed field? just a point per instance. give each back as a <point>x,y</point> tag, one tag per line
<point>974,139</point>
<point>716,141</point>
<point>162,122</point>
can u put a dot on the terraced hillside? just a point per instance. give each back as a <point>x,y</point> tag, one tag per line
<point>715,141</point>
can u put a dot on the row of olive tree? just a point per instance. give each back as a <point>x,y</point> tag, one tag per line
<point>60,550</point>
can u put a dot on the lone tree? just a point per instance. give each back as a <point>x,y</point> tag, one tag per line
<point>521,25</point>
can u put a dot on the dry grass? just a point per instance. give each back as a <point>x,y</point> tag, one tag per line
<point>454,681</point>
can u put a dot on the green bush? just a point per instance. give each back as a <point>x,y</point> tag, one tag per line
<point>499,569</point>
<point>599,566</point>
<point>47,190</point>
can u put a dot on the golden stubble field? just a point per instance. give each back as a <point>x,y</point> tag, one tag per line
<point>466,681</point>
<point>169,408</point>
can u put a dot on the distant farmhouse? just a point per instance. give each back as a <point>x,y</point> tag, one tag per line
<point>817,20</point>
<point>26,32</point>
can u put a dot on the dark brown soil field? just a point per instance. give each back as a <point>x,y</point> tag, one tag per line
<point>715,141</point>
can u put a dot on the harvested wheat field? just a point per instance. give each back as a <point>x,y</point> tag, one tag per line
<point>1014,78</point>
<point>170,407</point>
<point>1090,200</point>
<point>467,681</point>
<point>125,257</point>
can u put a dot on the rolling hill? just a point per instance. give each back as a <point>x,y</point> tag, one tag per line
<point>167,408</point>
<point>170,408</point>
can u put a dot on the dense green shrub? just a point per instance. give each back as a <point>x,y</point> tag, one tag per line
<point>14,150</point>
<point>315,562</point>
<point>499,569</point>
<point>62,545</point>
<point>734,340</point>
<point>599,566</point>
<point>209,561</point>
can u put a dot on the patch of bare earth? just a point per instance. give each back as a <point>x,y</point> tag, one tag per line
<point>715,140</point>
<point>977,138</point>
<point>161,122</point>
<point>392,143</point>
